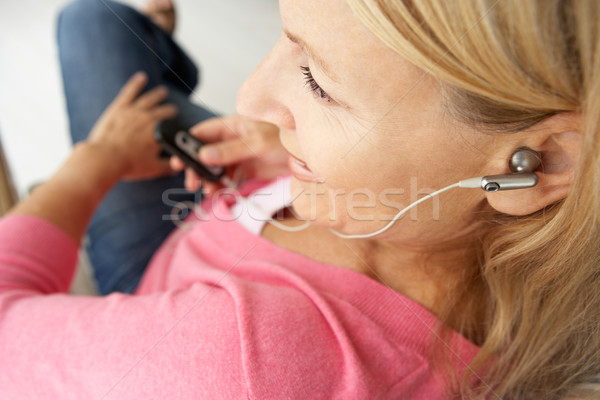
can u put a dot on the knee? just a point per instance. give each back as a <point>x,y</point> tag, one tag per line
<point>82,10</point>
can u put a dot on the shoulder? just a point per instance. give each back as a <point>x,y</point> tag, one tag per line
<point>299,340</point>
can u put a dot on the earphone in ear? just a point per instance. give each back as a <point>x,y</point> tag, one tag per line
<point>522,163</point>
<point>524,160</point>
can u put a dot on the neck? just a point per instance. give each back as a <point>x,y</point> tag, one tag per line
<point>426,274</point>
<point>432,275</point>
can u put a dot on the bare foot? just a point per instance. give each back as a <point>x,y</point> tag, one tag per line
<point>162,13</point>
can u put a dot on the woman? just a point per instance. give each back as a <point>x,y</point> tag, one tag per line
<point>478,295</point>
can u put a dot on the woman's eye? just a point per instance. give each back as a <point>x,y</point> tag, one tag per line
<point>314,86</point>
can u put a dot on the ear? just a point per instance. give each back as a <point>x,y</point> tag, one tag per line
<point>558,140</point>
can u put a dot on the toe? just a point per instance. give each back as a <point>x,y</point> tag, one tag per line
<point>162,13</point>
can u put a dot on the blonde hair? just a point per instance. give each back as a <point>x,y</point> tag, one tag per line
<point>506,65</point>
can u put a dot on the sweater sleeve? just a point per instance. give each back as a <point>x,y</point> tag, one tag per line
<point>35,256</point>
<point>174,344</point>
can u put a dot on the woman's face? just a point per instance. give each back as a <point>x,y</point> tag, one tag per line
<point>369,125</point>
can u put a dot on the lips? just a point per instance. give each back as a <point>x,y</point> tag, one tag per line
<point>300,162</point>
<point>301,171</point>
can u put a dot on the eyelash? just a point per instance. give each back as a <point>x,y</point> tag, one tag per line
<point>314,86</point>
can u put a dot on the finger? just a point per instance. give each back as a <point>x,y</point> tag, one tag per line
<point>166,111</point>
<point>152,98</point>
<point>216,129</point>
<point>132,89</point>
<point>177,164</point>
<point>239,174</point>
<point>233,151</point>
<point>192,181</point>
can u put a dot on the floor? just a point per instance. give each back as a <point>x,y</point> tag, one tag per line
<point>228,38</point>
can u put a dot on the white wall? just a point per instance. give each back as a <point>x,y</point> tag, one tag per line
<point>227,38</point>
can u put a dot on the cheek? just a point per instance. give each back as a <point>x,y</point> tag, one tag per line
<point>327,138</point>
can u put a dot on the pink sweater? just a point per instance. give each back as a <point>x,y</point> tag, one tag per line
<point>220,314</point>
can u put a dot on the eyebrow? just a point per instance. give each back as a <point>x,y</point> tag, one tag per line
<point>311,53</point>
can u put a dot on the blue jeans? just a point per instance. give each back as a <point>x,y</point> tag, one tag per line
<point>101,44</point>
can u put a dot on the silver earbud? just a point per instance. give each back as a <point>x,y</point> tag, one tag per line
<point>524,160</point>
<point>522,163</point>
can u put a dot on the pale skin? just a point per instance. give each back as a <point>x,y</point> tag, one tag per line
<point>409,139</point>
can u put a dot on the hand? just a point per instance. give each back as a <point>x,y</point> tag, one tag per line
<point>248,149</point>
<point>126,130</point>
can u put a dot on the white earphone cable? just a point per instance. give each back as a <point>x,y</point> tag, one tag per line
<point>398,216</point>
<point>467,183</point>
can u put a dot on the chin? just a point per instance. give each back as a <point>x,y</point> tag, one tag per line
<point>310,202</point>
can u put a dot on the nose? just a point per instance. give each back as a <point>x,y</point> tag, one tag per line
<point>267,93</point>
